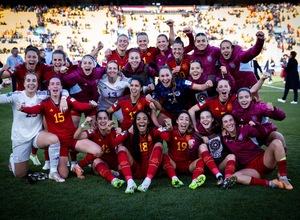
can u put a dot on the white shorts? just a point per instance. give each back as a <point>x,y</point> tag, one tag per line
<point>118,114</point>
<point>22,151</point>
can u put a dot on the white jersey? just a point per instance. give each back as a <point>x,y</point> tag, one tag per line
<point>25,126</point>
<point>110,93</point>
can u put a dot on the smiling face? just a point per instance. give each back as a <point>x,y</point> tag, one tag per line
<point>177,50</point>
<point>228,124</point>
<point>87,65</point>
<point>112,70</point>
<point>142,122</point>
<point>165,77</point>
<point>244,99</point>
<point>55,87</point>
<point>134,59</point>
<point>183,122</point>
<point>135,88</point>
<point>201,42</point>
<point>102,119</point>
<point>31,60</point>
<point>206,120</point>
<point>122,43</point>
<point>30,83</point>
<point>162,43</point>
<point>195,70</point>
<point>226,50</point>
<point>223,89</point>
<point>58,61</point>
<point>142,42</point>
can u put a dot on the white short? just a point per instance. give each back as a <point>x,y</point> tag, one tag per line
<point>22,151</point>
<point>118,114</point>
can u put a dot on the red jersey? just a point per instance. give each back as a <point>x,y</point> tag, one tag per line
<point>106,143</point>
<point>149,55</point>
<point>58,123</point>
<point>185,66</point>
<point>120,60</point>
<point>177,145</point>
<point>128,109</point>
<point>21,71</point>
<point>216,107</point>
<point>146,142</point>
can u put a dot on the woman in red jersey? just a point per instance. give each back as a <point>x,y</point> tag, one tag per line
<point>223,102</point>
<point>103,134</point>
<point>177,158</point>
<point>142,156</point>
<point>133,102</point>
<point>61,124</point>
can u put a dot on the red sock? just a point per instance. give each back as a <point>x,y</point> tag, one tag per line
<point>209,161</point>
<point>154,161</point>
<point>199,169</point>
<point>124,164</point>
<point>34,150</point>
<point>104,171</point>
<point>229,168</point>
<point>168,167</point>
<point>282,167</point>
<point>89,158</point>
<point>46,154</point>
<point>259,182</point>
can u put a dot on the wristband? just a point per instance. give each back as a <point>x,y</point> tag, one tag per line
<point>82,125</point>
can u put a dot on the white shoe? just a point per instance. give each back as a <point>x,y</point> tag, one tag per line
<point>35,160</point>
<point>46,166</point>
<point>281,100</point>
<point>270,82</point>
<point>293,102</point>
<point>55,176</point>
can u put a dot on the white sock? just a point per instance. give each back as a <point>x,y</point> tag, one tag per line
<point>12,163</point>
<point>174,178</point>
<point>218,174</point>
<point>146,182</point>
<point>54,150</point>
<point>130,182</point>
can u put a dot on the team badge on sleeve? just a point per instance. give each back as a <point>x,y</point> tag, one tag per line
<point>215,147</point>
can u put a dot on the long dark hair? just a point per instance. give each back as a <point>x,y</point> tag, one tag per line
<point>136,153</point>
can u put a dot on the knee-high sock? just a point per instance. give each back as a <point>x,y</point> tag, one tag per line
<point>168,167</point>
<point>73,155</point>
<point>34,150</point>
<point>199,169</point>
<point>155,161</point>
<point>209,161</point>
<point>229,168</point>
<point>54,156</point>
<point>124,164</point>
<point>89,158</point>
<point>259,182</point>
<point>104,171</point>
<point>282,169</point>
<point>46,154</point>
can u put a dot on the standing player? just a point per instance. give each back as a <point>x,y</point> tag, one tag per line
<point>111,87</point>
<point>133,102</point>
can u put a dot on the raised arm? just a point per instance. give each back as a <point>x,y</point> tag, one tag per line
<point>192,111</point>
<point>79,134</point>
<point>257,86</point>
